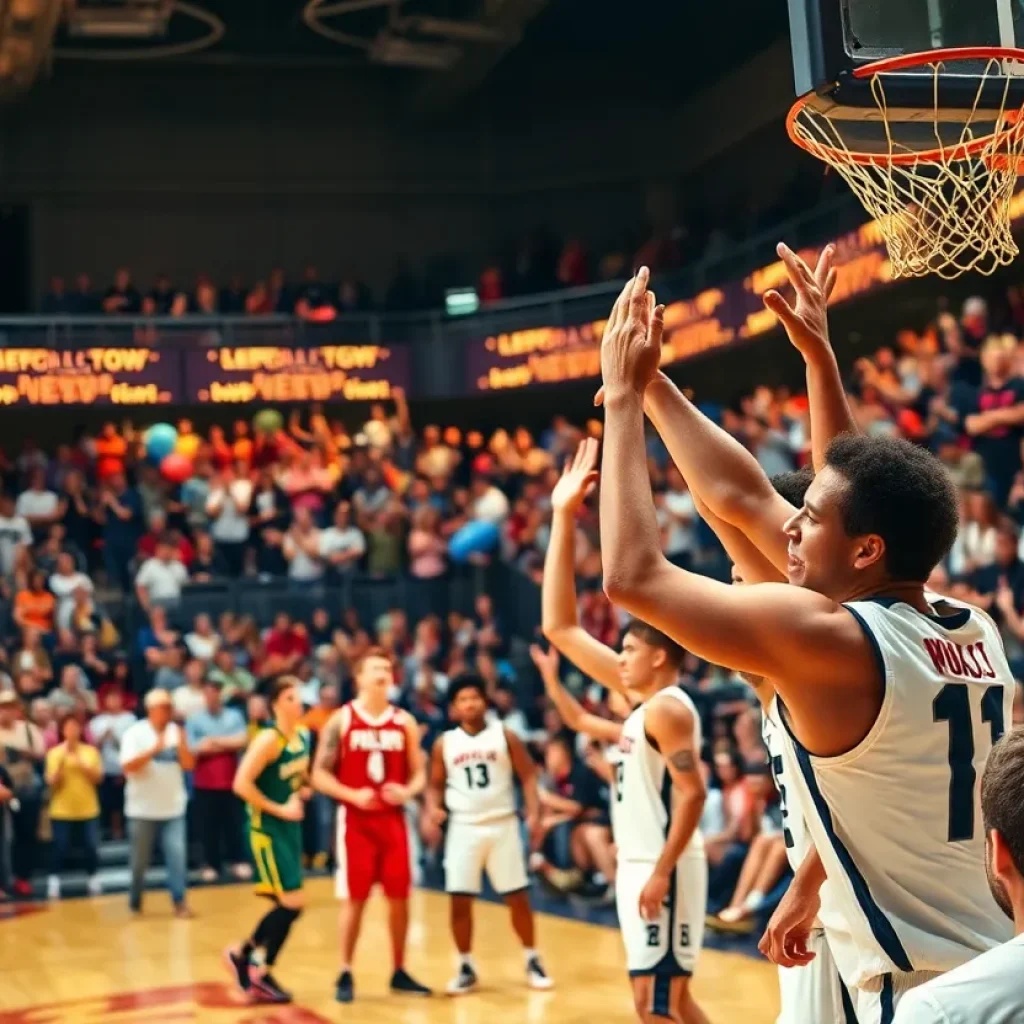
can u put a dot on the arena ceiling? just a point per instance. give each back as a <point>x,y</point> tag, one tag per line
<point>446,48</point>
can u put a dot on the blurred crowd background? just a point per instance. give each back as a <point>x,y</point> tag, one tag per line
<point>293,543</point>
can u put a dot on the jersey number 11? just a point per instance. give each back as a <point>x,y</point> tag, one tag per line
<point>953,705</point>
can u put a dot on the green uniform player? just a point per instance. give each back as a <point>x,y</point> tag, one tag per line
<point>271,779</point>
<point>277,844</point>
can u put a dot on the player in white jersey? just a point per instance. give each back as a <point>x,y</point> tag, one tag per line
<point>881,729</point>
<point>989,989</point>
<point>473,769</point>
<point>658,792</point>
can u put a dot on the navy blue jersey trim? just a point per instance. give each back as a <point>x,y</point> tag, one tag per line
<point>879,924</point>
<point>887,1008</point>
<point>955,620</point>
<point>875,648</point>
<point>849,1014</point>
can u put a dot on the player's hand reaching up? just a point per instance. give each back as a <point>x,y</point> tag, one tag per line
<point>631,345</point>
<point>577,480</point>
<point>806,317</point>
<point>546,662</point>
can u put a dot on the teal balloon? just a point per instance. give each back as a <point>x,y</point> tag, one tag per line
<point>161,440</point>
<point>268,421</point>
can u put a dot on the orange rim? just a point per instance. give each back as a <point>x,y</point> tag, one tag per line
<point>889,65</point>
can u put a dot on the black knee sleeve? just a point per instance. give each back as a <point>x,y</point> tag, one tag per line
<point>285,918</point>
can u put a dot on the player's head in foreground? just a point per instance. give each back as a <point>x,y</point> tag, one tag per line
<point>793,487</point>
<point>1002,806</point>
<point>882,512</point>
<point>374,675</point>
<point>286,702</point>
<point>467,697</point>
<point>649,660</point>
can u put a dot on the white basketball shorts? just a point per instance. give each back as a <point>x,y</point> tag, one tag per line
<point>494,846</point>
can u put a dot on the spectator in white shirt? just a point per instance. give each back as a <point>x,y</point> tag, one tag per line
<point>228,509</point>
<point>302,550</point>
<point>154,758</point>
<point>988,989</point>
<point>38,505</point>
<point>203,642</point>
<point>15,534</point>
<point>343,544</point>
<point>676,515</point>
<point>108,729</point>
<point>63,584</point>
<point>161,577</point>
<point>188,699</point>
<point>490,504</point>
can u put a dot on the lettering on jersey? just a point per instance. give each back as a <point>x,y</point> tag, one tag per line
<point>376,739</point>
<point>960,660</point>
<point>475,755</point>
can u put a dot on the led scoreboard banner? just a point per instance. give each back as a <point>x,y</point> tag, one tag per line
<point>715,318</point>
<point>99,375</point>
<point>323,373</point>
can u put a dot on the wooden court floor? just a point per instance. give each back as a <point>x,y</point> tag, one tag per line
<point>86,961</point>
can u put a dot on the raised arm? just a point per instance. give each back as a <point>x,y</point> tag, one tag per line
<point>670,724</point>
<point>802,641</point>
<point>568,708</point>
<point>559,619</point>
<point>806,323</point>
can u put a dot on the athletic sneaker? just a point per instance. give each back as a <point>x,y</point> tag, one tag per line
<point>463,982</point>
<point>405,984</point>
<point>263,988</point>
<point>536,976</point>
<point>238,968</point>
<point>344,990</point>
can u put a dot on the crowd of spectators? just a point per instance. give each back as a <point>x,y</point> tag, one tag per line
<point>91,530</point>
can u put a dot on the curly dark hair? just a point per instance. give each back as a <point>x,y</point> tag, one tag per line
<point>903,494</point>
<point>793,485</point>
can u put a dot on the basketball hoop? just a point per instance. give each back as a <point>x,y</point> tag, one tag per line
<point>938,179</point>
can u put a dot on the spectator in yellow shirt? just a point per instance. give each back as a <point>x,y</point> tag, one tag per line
<point>74,771</point>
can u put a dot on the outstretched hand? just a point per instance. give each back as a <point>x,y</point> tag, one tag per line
<point>578,478</point>
<point>546,661</point>
<point>631,344</point>
<point>806,317</point>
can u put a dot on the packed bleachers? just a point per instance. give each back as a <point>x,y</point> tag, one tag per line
<point>292,546</point>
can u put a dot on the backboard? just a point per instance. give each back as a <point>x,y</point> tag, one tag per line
<point>832,38</point>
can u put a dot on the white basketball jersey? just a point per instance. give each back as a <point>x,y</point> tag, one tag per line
<point>481,786</point>
<point>614,756</point>
<point>644,794</point>
<point>897,820</point>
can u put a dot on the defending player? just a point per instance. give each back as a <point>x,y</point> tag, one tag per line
<point>883,693</point>
<point>369,759</point>
<point>471,774</point>
<point>658,791</point>
<point>270,779</point>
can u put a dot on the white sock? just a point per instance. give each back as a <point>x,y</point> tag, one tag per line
<point>466,960</point>
<point>529,955</point>
<point>754,901</point>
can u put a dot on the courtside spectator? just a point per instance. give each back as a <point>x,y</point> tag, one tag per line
<point>24,752</point>
<point>154,758</point>
<point>15,535</point>
<point>39,505</point>
<point>228,508</point>
<point>122,296</point>
<point>301,547</point>
<point>63,583</point>
<point>119,513</point>
<point>189,698</point>
<point>203,642</point>
<point>216,736</point>
<point>34,606</point>
<point>74,770</point>
<point>343,544</point>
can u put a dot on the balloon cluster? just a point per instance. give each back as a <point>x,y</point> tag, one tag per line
<point>161,442</point>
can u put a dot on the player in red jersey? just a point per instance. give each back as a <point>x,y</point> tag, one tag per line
<point>369,759</point>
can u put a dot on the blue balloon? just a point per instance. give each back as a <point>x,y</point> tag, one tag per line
<point>478,536</point>
<point>161,440</point>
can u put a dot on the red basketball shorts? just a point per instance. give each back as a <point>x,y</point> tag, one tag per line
<point>372,849</point>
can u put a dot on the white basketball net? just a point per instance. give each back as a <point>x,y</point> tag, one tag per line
<point>948,213</point>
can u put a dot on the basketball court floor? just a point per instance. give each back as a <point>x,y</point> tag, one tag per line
<point>83,961</point>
